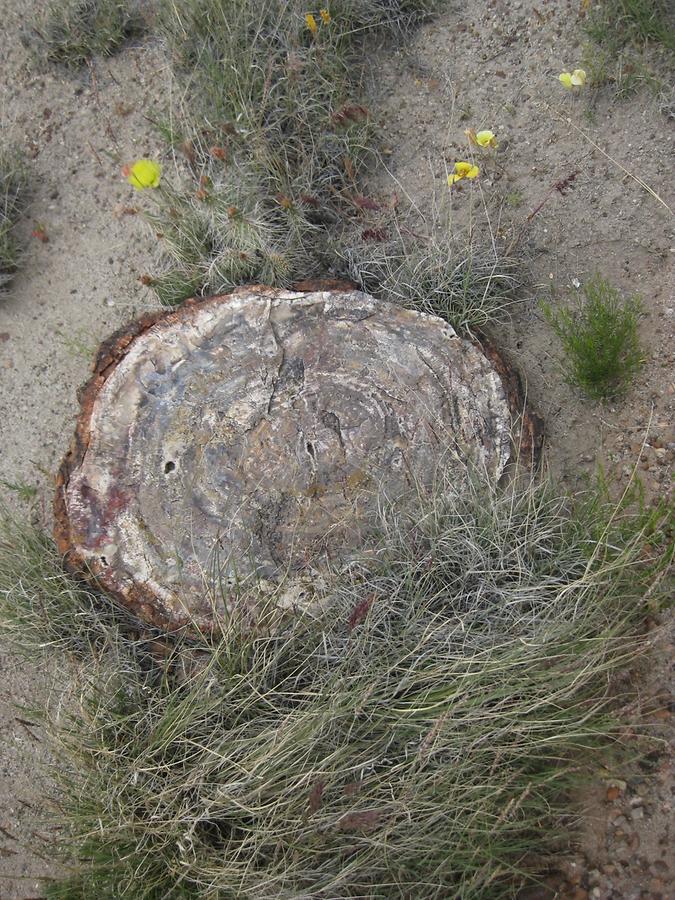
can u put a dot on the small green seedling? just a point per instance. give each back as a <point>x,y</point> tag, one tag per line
<point>600,339</point>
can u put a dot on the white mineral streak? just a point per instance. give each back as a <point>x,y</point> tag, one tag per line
<point>248,436</point>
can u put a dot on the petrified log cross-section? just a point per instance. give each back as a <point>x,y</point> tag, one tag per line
<point>244,435</point>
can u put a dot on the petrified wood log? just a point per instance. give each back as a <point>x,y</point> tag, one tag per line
<point>244,435</point>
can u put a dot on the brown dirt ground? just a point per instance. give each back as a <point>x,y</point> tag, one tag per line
<point>483,64</point>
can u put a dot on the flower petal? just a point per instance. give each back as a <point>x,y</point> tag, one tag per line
<point>463,169</point>
<point>565,79</point>
<point>578,77</point>
<point>486,139</point>
<point>145,173</point>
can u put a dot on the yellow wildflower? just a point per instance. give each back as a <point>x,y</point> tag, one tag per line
<point>311,23</point>
<point>576,79</point>
<point>145,173</point>
<point>325,16</point>
<point>486,139</point>
<point>463,170</point>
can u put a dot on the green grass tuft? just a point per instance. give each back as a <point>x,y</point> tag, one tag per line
<point>71,32</point>
<point>615,23</point>
<point>13,193</point>
<point>600,339</point>
<point>417,733</point>
<point>176,285</point>
<point>625,69</point>
<point>630,47</point>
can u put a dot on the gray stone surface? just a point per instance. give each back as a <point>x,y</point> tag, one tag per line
<point>249,434</point>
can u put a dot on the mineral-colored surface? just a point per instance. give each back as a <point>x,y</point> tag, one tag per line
<point>248,434</point>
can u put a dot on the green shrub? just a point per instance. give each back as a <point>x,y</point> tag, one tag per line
<point>600,339</point>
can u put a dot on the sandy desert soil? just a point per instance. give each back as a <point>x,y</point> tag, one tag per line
<point>482,64</point>
<point>71,293</point>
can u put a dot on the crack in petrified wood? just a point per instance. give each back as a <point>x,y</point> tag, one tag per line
<point>242,434</point>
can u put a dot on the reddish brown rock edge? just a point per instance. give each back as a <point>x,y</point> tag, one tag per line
<point>137,599</point>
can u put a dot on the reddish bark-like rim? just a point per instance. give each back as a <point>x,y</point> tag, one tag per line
<point>140,600</point>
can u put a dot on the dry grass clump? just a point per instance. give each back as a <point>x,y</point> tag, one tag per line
<point>392,15</point>
<point>273,140</point>
<point>284,95</point>
<point>276,138</point>
<point>470,287</point>
<point>416,733</point>
<point>13,191</point>
<point>227,230</point>
<point>276,154</point>
<point>71,32</point>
